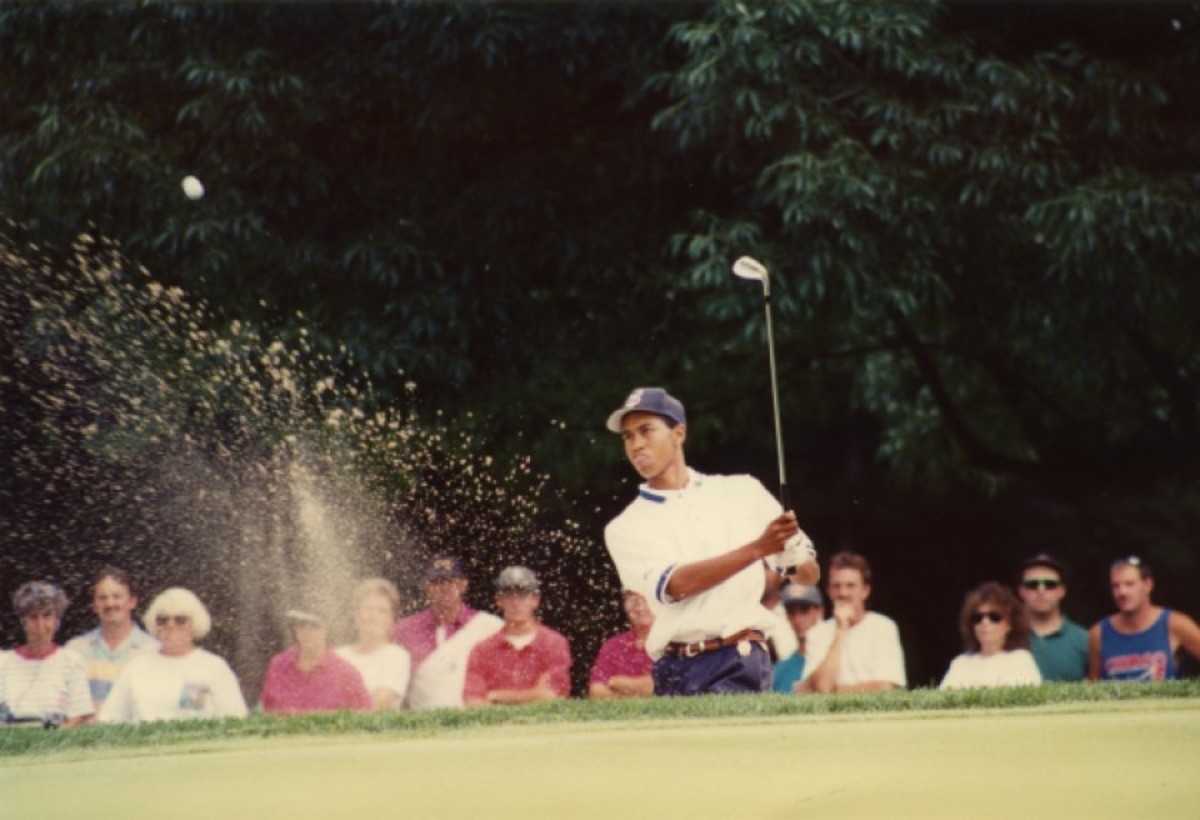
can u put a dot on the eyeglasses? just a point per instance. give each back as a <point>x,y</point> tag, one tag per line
<point>1041,583</point>
<point>180,620</point>
<point>992,615</point>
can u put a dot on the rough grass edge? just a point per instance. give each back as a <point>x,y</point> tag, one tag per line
<point>397,725</point>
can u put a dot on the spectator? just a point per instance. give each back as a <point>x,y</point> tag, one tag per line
<point>1140,641</point>
<point>39,680</point>
<point>440,639</point>
<point>525,661</point>
<point>703,550</point>
<point>805,609</point>
<point>622,667</point>
<point>855,650</point>
<point>107,648</point>
<point>181,680</point>
<point>1059,645</point>
<point>995,636</point>
<point>384,666</point>
<point>309,676</point>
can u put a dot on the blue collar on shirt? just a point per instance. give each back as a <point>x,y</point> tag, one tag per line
<point>695,479</point>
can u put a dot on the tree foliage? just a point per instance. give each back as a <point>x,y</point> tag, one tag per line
<point>978,220</point>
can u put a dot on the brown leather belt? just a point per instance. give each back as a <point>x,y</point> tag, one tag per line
<point>691,650</point>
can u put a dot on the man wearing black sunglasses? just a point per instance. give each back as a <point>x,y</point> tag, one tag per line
<point>1059,645</point>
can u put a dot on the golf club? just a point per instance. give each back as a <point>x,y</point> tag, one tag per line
<point>749,268</point>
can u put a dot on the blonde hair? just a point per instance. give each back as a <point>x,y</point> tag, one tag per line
<point>179,601</point>
<point>378,586</point>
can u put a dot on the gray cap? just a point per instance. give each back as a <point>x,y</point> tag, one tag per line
<point>521,578</point>
<point>303,616</point>
<point>801,594</point>
<point>648,400</point>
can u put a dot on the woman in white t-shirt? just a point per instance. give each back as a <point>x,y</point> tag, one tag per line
<point>384,666</point>
<point>995,634</point>
<point>180,681</point>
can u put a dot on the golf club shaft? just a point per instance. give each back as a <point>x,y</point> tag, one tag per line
<point>783,490</point>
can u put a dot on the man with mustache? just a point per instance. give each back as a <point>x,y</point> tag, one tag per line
<point>1140,641</point>
<point>107,648</point>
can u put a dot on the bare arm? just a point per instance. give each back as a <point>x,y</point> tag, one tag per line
<point>540,691</point>
<point>600,691</point>
<point>1184,632</point>
<point>632,686</point>
<point>700,576</point>
<point>824,677</point>
<point>866,686</point>
<point>1094,652</point>
<point>383,698</point>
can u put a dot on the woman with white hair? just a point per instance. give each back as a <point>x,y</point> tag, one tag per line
<point>181,680</point>
<point>39,680</point>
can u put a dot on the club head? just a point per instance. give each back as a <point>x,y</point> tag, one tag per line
<point>747,267</point>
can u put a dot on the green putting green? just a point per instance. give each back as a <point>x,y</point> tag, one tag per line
<point>1080,760</point>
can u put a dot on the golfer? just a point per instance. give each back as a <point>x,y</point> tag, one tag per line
<point>703,550</point>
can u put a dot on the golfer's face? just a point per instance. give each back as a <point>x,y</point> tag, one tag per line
<point>650,444</point>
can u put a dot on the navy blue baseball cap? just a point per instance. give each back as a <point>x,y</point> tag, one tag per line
<point>648,400</point>
<point>445,566</point>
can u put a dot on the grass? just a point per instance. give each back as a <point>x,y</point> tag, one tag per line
<point>400,725</point>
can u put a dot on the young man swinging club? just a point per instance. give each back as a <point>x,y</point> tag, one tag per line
<point>703,550</point>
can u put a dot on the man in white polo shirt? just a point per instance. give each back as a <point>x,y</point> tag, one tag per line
<point>703,550</point>
<point>856,650</point>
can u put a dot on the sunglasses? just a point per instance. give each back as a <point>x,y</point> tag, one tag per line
<point>992,615</point>
<point>1041,583</point>
<point>180,620</point>
<point>1131,560</point>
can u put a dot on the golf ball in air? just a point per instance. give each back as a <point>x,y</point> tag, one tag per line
<point>192,187</point>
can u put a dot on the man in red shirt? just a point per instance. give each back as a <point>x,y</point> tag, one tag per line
<point>622,668</point>
<point>310,677</point>
<point>525,661</point>
<point>439,639</point>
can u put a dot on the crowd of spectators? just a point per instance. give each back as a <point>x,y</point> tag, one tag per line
<point>450,655</point>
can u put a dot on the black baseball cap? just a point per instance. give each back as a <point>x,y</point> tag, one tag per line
<point>1044,559</point>
<point>648,400</point>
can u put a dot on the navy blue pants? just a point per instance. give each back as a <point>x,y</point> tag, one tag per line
<point>722,671</point>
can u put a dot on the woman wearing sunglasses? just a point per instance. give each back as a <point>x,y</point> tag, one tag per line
<point>995,634</point>
<point>181,680</point>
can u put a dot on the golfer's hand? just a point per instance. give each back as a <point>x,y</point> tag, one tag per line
<point>798,550</point>
<point>775,536</point>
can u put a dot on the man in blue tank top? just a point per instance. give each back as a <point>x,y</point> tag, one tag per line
<point>1140,641</point>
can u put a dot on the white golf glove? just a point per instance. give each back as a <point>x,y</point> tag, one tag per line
<point>798,550</point>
